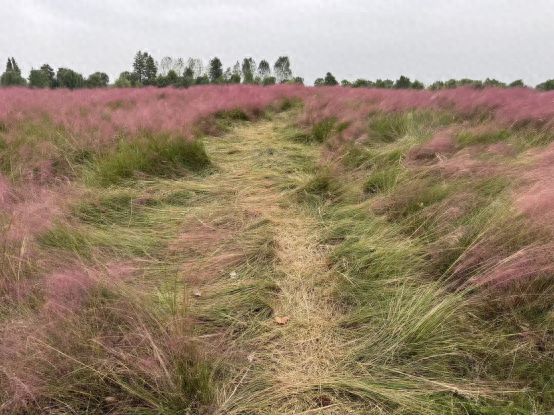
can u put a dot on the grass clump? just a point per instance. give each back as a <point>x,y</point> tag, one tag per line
<point>383,180</point>
<point>151,154</point>
<point>322,186</point>
<point>467,138</point>
<point>323,129</point>
<point>388,127</point>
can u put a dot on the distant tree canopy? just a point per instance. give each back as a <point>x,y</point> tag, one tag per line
<point>177,72</point>
<point>67,78</point>
<point>97,80</point>
<point>12,74</point>
<point>264,70</point>
<point>216,70</point>
<point>248,70</point>
<point>546,85</point>
<point>329,80</point>
<point>282,70</point>
<point>144,69</point>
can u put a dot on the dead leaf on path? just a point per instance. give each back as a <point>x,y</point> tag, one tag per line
<point>197,293</point>
<point>281,320</point>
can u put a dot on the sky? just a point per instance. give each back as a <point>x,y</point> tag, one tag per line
<point>424,39</point>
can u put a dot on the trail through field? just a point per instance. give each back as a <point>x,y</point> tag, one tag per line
<point>291,346</point>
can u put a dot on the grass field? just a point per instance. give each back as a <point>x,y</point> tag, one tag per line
<point>242,249</point>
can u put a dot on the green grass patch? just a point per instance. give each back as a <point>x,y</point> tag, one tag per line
<point>151,154</point>
<point>467,138</point>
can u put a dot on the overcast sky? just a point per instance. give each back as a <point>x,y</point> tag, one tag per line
<point>424,39</point>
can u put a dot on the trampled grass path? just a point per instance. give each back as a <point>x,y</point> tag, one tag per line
<point>291,352</point>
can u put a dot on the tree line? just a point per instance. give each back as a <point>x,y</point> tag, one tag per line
<point>146,71</point>
<point>177,72</point>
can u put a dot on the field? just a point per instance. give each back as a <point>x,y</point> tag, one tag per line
<point>283,249</point>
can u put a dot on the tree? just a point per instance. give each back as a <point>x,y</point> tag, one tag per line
<point>150,71</point>
<point>67,78</point>
<point>50,72</point>
<point>319,82</point>
<point>516,83</point>
<point>248,69</point>
<point>491,82</point>
<point>188,77</point>
<point>124,80</point>
<point>417,85</point>
<point>12,75</point>
<point>236,74</point>
<point>264,70</point>
<point>345,83</point>
<point>216,70</point>
<point>282,70</point>
<point>39,79</point>
<point>297,80</point>
<point>97,80</point>
<point>269,81</point>
<point>402,82</point>
<point>547,85</point>
<point>330,79</point>
<point>139,66</point>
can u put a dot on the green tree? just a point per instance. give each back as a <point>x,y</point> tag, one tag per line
<point>39,79</point>
<point>516,83</point>
<point>319,82</point>
<point>67,78</point>
<point>403,82</point>
<point>150,71</point>
<point>282,70</point>
<point>97,80</point>
<point>547,85</point>
<point>417,85</point>
<point>139,66</point>
<point>269,80</point>
<point>12,74</point>
<point>216,70</point>
<point>124,80</point>
<point>248,69</point>
<point>329,79</point>
<point>51,74</point>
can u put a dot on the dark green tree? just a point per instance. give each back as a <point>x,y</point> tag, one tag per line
<point>547,85</point>
<point>150,71</point>
<point>12,74</point>
<point>248,69</point>
<point>517,83</point>
<point>216,70</point>
<point>139,66</point>
<point>39,79</point>
<point>403,82</point>
<point>329,79</point>
<point>97,80</point>
<point>269,80</point>
<point>67,78</point>
<point>417,85</point>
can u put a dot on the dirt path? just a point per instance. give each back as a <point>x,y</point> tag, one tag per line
<point>291,351</point>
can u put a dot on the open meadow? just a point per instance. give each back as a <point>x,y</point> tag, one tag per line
<point>276,249</point>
